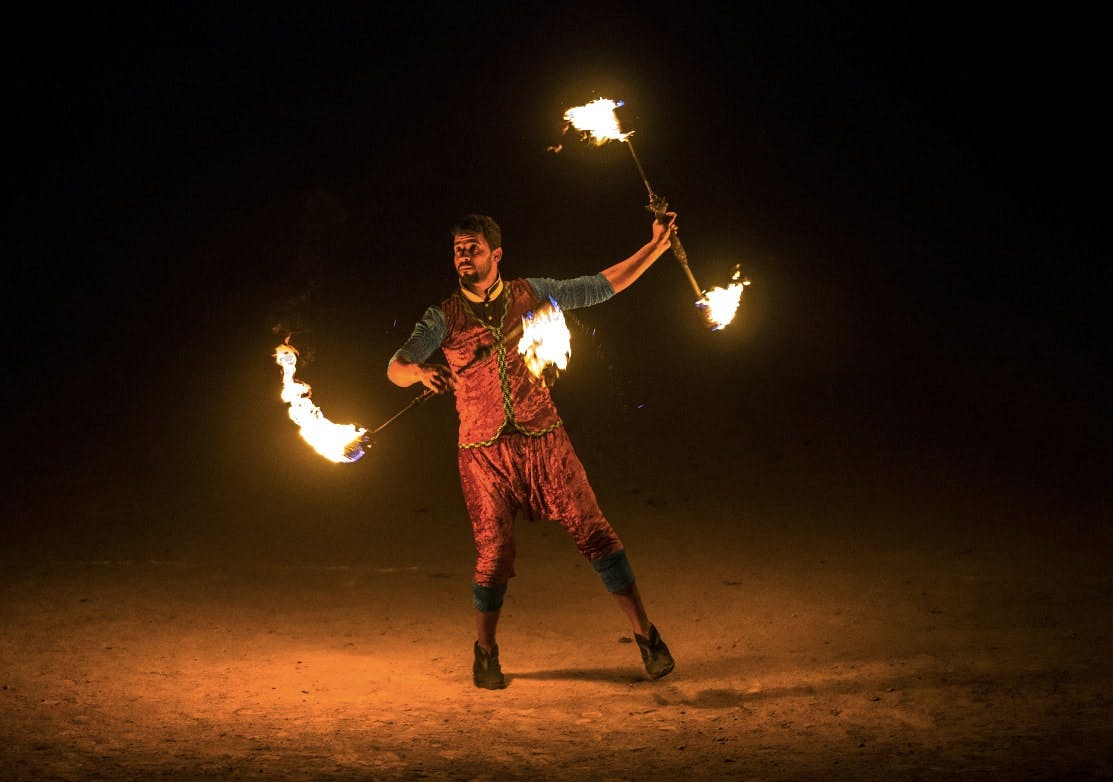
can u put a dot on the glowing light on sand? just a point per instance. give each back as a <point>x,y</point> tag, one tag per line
<point>546,344</point>
<point>335,442</point>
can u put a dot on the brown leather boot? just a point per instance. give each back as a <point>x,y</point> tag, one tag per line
<point>486,671</point>
<point>658,661</point>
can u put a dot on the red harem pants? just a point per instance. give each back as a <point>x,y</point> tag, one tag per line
<point>540,476</point>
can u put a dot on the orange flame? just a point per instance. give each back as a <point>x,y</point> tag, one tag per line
<point>719,305</point>
<point>597,121</point>
<point>546,344</point>
<point>335,442</point>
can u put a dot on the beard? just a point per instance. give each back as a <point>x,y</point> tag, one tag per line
<point>473,274</point>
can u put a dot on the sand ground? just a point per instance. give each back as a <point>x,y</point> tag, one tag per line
<point>844,628</point>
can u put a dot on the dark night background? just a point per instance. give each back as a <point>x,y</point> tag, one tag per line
<point>915,195</point>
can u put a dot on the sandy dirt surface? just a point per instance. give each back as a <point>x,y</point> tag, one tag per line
<point>821,631</point>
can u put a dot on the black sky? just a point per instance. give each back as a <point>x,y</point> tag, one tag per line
<point>915,195</point>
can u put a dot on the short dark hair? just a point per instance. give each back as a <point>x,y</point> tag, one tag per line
<point>480,224</point>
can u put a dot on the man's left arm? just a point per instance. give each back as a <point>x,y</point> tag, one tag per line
<point>574,293</point>
<point>623,274</point>
<point>594,289</point>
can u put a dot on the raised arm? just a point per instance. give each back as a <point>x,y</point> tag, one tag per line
<point>623,274</point>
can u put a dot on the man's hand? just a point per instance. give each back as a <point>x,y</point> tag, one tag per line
<point>664,226</point>
<point>438,378</point>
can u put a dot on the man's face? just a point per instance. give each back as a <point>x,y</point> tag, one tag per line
<point>476,263</point>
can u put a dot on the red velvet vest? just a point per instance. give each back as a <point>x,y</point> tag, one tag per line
<point>496,392</point>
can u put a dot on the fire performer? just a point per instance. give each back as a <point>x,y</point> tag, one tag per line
<point>514,454</point>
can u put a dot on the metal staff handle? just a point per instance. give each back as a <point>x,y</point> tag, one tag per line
<point>658,205</point>
<point>424,396</point>
<point>354,449</point>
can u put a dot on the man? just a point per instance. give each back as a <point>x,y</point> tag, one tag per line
<point>514,454</point>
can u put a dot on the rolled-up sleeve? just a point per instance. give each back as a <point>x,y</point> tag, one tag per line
<point>574,293</point>
<point>427,336</point>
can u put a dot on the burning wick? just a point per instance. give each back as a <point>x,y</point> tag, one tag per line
<point>546,344</point>
<point>719,305</point>
<point>335,442</point>
<point>597,121</point>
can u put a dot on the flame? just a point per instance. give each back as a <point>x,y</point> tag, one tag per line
<point>597,121</point>
<point>546,344</point>
<point>719,305</point>
<point>335,442</point>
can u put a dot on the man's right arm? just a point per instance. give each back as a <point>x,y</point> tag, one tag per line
<point>404,371</point>
<point>407,366</point>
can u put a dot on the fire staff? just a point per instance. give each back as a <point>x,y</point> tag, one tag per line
<point>514,454</point>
